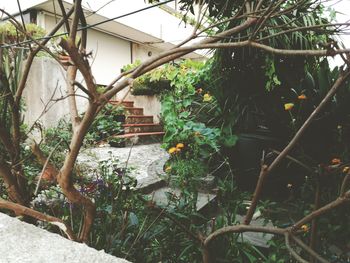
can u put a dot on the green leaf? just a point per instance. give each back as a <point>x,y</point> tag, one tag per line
<point>133,219</point>
<point>229,140</point>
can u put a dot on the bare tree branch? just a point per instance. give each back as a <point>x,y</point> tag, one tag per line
<point>22,210</point>
<point>308,249</point>
<point>292,251</point>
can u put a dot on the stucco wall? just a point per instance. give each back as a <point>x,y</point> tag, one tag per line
<point>109,53</point>
<point>47,83</point>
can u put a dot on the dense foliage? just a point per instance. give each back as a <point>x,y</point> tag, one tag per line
<point>222,119</point>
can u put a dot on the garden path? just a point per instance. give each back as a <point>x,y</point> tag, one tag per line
<point>145,161</point>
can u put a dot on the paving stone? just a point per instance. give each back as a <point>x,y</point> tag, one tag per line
<point>257,239</point>
<point>160,197</point>
<point>146,161</point>
<point>25,243</point>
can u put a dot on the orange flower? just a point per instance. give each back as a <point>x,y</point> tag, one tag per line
<point>180,145</point>
<point>288,106</point>
<point>305,228</point>
<point>302,97</point>
<point>336,161</point>
<point>172,150</point>
<point>200,90</point>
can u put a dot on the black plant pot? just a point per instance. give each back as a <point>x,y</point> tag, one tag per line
<point>246,156</point>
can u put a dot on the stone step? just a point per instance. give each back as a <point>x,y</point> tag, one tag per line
<point>139,138</point>
<point>141,134</point>
<point>136,119</point>
<point>133,111</point>
<point>160,197</point>
<point>142,127</point>
<point>125,103</point>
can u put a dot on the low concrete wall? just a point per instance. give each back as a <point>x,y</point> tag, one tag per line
<point>22,242</point>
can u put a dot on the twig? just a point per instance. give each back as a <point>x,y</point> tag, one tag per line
<point>242,229</point>
<point>313,235</point>
<point>344,184</point>
<point>308,249</point>
<point>259,186</point>
<point>21,14</point>
<point>45,166</point>
<point>308,168</point>
<point>292,251</point>
<point>80,86</point>
<point>325,209</point>
<point>64,15</point>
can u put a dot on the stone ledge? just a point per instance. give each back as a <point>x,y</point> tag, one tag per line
<point>22,242</point>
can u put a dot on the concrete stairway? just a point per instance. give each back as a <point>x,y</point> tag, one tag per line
<point>139,125</point>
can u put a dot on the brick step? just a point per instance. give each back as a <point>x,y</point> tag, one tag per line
<point>133,111</point>
<point>142,127</point>
<point>136,119</point>
<point>125,103</point>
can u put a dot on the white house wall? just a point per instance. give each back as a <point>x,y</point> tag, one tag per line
<point>109,53</point>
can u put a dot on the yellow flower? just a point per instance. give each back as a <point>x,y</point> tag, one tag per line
<point>178,150</point>
<point>346,169</point>
<point>172,150</point>
<point>288,106</point>
<point>180,145</point>
<point>207,97</point>
<point>305,228</point>
<point>302,97</point>
<point>336,161</point>
<point>168,169</point>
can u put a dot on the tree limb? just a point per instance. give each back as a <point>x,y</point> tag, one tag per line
<point>22,210</point>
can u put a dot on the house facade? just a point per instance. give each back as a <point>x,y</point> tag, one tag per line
<point>139,31</point>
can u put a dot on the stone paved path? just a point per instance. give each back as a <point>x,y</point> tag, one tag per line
<point>146,161</point>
